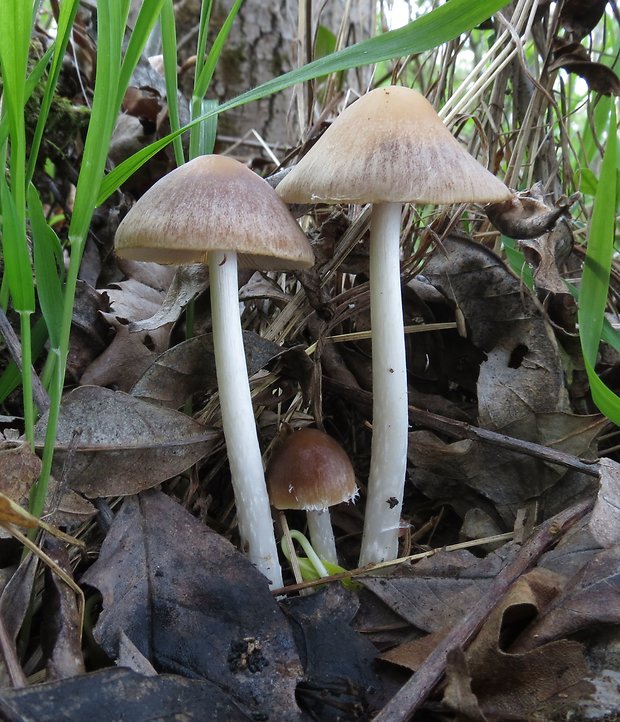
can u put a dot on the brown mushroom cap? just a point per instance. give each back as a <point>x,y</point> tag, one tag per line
<point>309,470</point>
<point>213,203</point>
<point>390,146</point>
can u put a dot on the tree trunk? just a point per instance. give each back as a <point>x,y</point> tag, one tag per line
<point>262,45</point>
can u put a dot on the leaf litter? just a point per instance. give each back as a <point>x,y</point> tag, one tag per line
<point>495,445</point>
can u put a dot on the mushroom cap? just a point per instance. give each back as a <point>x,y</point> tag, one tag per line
<point>309,470</point>
<point>390,146</point>
<point>213,203</point>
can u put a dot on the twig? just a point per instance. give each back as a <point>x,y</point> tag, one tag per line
<point>371,568</point>
<point>463,430</point>
<point>409,698</point>
<point>41,397</point>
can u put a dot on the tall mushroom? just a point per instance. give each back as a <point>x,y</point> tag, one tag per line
<point>214,209</point>
<point>388,148</point>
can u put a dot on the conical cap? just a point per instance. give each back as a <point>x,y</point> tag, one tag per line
<point>390,146</point>
<point>213,203</point>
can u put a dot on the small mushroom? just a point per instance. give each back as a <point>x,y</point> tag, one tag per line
<point>309,470</point>
<point>388,148</point>
<point>214,209</point>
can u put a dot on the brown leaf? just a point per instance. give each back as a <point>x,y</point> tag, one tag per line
<point>605,519</point>
<point>513,685</point>
<point>112,444</point>
<point>523,373</point>
<point>189,368</point>
<point>589,599</point>
<point>14,605</point>
<point>129,354</point>
<point>458,695</point>
<point>192,603</point>
<point>188,282</point>
<point>62,623</point>
<point>580,17</point>
<point>436,592</point>
<point>19,469</point>
<point>599,77</point>
<point>506,478</point>
<point>116,694</point>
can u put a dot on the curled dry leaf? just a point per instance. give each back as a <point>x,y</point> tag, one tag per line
<point>112,444</point>
<point>580,17</point>
<point>188,282</point>
<point>129,354</point>
<point>525,215</point>
<point>589,599</point>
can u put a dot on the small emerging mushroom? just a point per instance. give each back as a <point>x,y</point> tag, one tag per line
<point>309,470</point>
<point>388,148</point>
<point>216,210</point>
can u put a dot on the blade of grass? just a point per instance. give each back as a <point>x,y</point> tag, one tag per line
<point>47,251</point>
<point>436,27</point>
<point>169,47</point>
<point>66,17</point>
<point>113,74</point>
<point>594,287</point>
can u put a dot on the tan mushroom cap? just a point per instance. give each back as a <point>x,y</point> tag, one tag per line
<point>213,203</point>
<point>390,146</point>
<point>309,470</point>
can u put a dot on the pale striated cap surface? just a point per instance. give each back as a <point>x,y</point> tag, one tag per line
<point>390,146</point>
<point>213,203</point>
<point>309,470</point>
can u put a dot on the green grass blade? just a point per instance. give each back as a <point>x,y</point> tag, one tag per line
<point>203,80</point>
<point>66,17</point>
<point>203,31</point>
<point>440,25</point>
<point>145,22</point>
<point>169,47</point>
<point>594,287</point>
<point>202,139</point>
<point>47,266</point>
<point>17,268</point>
<point>11,376</point>
<point>31,82</point>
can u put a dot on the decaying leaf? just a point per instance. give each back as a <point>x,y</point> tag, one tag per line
<point>450,471</point>
<point>605,519</point>
<point>590,598</point>
<point>112,444</point>
<point>507,682</point>
<point>129,354</point>
<point>580,17</point>
<point>188,282</point>
<point>189,368</point>
<point>332,652</point>
<point>575,58</point>
<point>192,604</point>
<point>62,627</point>
<point>114,694</point>
<point>438,591</point>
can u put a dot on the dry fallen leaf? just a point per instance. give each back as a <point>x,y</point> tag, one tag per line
<point>605,519</point>
<point>112,444</point>
<point>194,605</point>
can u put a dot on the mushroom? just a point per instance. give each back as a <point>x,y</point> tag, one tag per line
<point>309,470</point>
<point>214,209</point>
<point>387,148</point>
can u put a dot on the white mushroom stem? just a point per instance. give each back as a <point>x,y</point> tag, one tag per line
<point>244,456</point>
<point>322,535</point>
<point>388,459</point>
